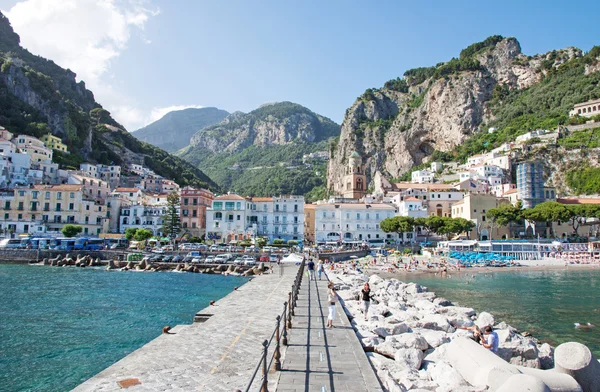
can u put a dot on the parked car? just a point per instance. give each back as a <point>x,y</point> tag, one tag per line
<point>264,257</point>
<point>158,250</point>
<point>221,259</point>
<point>210,259</point>
<point>176,259</point>
<point>8,243</point>
<point>197,260</point>
<point>249,260</point>
<point>238,261</point>
<point>214,248</point>
<point>251,249</point>
<point>167,259</point>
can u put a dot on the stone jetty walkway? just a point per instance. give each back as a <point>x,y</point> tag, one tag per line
<point>219,354</point>
<point>323,359</point>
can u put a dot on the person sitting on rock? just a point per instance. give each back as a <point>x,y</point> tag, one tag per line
<point>490,339</point>
<point>476,332</point>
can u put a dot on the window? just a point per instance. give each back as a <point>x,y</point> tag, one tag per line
<point>367,217</point>
<point>6,216</point>
<point>347,215</point>
<point>276,207</point>
<point>59,195</point>
<point>238,206</point>
<point>264,207</point>
<point>357,216</point>
<point>324,214</point>
<point>72,195</point>
<point>218,205</point>
<point>295,207</point>
<point>184,212</point>
<point>377,216</point>
<point>20,208</point>
<point>71,206</point>
<point>20,216</point>
<point>229,205</point>
<point>193,225</point>
<point>239,217</point>
<point>185,201</point>
<point>58,206</point>
<point>34,194</point>
<point>295,219</point>
<point>7,205</point>
<point>194,213</point>
<point>21,193</point>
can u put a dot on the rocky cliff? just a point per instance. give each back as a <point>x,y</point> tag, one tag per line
<point>175,129</point>
<point>436,108</point>
<point>271,124</point>
<point>37,97</point>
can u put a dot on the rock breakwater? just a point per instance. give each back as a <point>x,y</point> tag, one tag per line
<point>416,342</point>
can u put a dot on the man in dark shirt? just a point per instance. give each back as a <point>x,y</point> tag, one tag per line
<point>311,270</point>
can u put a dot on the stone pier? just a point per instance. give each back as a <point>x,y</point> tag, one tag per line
<point>219,354</point>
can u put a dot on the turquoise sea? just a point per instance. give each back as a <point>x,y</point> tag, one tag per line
<point>544,303</point>
<point>60,326</point>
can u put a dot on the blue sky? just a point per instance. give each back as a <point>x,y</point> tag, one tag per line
<point>145,57</point>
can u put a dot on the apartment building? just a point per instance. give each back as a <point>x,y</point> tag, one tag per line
<point>33,147</point>
<point>54,143</point>
<point>142,216</point>
<point>193,205</point>
<point>95,188</point>
<point>474,208</point>
<point>278,217</point>
<point>410,206</point>
<point>353,223</point>
<point>228,219</point>
<point>47,208</point>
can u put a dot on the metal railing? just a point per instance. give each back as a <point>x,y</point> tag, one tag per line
<point>283,323</point>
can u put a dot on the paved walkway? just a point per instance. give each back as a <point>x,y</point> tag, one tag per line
<point>323,359</point>
<point>217,355</point>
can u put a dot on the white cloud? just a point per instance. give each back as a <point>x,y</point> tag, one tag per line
<point>85,36</point>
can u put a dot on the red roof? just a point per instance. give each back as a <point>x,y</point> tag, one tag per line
<point>230,197</point>
<point>127,190</point>
<point>579,201</point>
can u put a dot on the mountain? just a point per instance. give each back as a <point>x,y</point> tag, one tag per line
<point>443,112</point>
<point>37,96</point>
<point>261,153</point>
<point>174,130</point>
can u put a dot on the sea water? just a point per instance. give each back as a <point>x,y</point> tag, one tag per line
<point>62,325</point>
<point>545,303</point>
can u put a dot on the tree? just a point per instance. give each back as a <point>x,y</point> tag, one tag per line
<point>261,242</point>
<point>292,243</point>
<point>171,221</point>
<point>505,215</point>
<point>130,233</point>
<point>71,230</point>
<point>278,241</point>
<point>580,213</point>
<point>142,235</point>
<point>398,224</point>
<point>431,224</point>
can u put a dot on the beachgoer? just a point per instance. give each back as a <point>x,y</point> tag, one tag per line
<point>476,332</point>
<point>490,339</point>
<point>311,270</point>
<point>365,294</point>
<point>332,299</point>
<point>320,268</point>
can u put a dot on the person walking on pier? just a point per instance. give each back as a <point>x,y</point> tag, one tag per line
<point>311,269</point>
<point>332,298</point>
<point>320,268</point>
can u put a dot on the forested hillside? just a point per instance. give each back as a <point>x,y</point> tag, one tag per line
<point>37,96</point>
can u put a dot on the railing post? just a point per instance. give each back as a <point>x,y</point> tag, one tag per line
<point>277,354</point>
<point>265,371</point>
<point>293,300</point>
<point>289,309</point>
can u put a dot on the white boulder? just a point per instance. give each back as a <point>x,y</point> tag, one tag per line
<point>410,358</point>
<point>484,320</point>
<point>446,376</point>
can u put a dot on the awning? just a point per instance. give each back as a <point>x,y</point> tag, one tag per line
<point>292,258</point>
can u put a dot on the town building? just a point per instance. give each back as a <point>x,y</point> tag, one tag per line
<point>33,147</point>
<point>47,208</point>
<point>437,167</point>
<point>95,189</point>
<point>132,195</point>
<point>309,223</point>
<point>7,147</point>
<point>54,143</point>
<point>586,109</point>
<point>279,217</point>
<point>354,223</point>
<point>109,173</point>
<point>228,219</point>
<point>530,183</point>
<point>410,206</point>
<point>5,134</point>
<point>474,207</point>
<point>422,176</point>
<point>193,204</point>
<point>141,216</point>
<point>158,184</point>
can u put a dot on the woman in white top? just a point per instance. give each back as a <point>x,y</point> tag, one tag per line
<point>332,298</point>
<point>320,269</point>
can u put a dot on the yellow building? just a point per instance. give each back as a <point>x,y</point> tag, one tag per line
<point>309,223</point>
<point>47,208</point>
<point>54,142</point>
<point>474,208</point>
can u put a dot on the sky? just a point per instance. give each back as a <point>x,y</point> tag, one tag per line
<point>144,58</point>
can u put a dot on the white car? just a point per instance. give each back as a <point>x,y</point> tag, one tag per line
<point>197,260</point>
<point>209,259</point>
<point>221,259</point>
<point>248,260</point>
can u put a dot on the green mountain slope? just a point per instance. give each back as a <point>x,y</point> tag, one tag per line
<point>174,130</point>
<point>260,153</point>
<point>37,96</point>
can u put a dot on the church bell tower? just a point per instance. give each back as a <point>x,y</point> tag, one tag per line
<point>355,179</point>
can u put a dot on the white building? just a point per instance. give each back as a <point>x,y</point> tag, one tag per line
<point>475,160</point>
<point>7,147</point>
<point>487,170</point>
<point>353,223</point>
<point>228,219</point>
<point>279,217</point>
<point>142,217</point>
<point>34,147</point>
<point>437,167</point>
<point>133,195</point>
<point>422,176</point>
<point>410,206</point>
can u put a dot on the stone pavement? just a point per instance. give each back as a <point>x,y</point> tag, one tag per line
<point>323,359</point>
<point>217,355</point>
